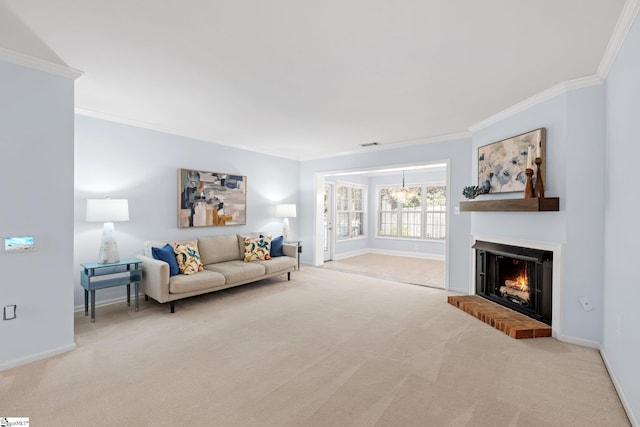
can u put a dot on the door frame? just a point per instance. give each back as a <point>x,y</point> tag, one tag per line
<point>330,200</point>
<point>318,252</point>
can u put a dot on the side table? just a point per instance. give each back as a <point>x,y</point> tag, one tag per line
<point>298,243</point>
<point>100,276</point>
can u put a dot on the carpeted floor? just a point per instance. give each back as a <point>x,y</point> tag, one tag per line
<point>416,271</point>
<point>325,349</point>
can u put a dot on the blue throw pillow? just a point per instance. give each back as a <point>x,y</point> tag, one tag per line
<point>276,247</point>
<point>167,255</point>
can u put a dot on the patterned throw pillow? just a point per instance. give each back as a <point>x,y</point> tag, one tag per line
<point>257,249</point>
<point>188,258</point>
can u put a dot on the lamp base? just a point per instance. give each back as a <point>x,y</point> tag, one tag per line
<point>285,229</point>
<point>108,247</point>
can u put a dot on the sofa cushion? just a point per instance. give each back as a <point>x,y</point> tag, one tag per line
<point>167,255</point>
<point>242,238</point>
<point>257,249</point>
<point>194,282</point>
<point>215,249</point>
<point>237,271</point>
<point>276,247</point>
<point>188,257</point>
<point>277,264</point>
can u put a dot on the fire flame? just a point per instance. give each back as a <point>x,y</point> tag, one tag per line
<point>520,283</point>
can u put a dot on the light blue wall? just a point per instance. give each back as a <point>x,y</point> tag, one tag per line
<point>36,188</point>
<point>621,334</point>
<point>584,164</point>
<point>142,165</point>
<point>456,152</point>
<point>574,171</point>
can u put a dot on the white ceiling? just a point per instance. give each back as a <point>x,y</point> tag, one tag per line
<point>305,79</point>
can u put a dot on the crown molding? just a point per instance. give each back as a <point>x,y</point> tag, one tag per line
<point>171,131</point>
<point>392,145</point>
<point>39,64</point>
<point>626,19</point>
<point>546,95</point>
<point>154,127</point>
<point>623,26</point>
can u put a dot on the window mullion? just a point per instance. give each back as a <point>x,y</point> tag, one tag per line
<point>399,220</point>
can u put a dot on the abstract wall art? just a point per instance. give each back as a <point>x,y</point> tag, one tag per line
<point>502,164</point>
<point>209,199</point>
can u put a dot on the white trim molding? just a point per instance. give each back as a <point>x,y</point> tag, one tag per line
<point>35,357</point>
<point>623,26</point>
<point>616,384</point>
<point>546,95</point>
<point>383,146</point>
<point>344,255</point>
<point>420,255</point>
<point>39,64</point>
<point>87,112</point>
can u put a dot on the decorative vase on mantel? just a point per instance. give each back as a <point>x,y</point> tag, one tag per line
<point>539,188</point>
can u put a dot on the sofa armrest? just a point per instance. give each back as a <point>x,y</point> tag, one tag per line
<point>290,250</point>
<point>155,278</point>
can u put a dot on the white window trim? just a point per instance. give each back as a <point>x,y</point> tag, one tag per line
<point>411,239</point>
<point>365,212</point>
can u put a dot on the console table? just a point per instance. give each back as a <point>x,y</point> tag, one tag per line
<point>100,276</point>
<point>297,243</point>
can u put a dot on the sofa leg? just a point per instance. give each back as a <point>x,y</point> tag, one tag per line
<point>288,275</point>
<point>172,304</point>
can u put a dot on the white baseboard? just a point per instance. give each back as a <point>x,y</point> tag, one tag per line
<point>103,303</point>
<point>344,255</point>
<point>578,341</point>
<point>34,357</point>
<point>623,398</point>
<point>436,257</point>
<point>349,254</point>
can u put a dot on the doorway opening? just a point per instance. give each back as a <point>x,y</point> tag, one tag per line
<point>360,212</point>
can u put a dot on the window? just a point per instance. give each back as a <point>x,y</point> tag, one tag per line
<point>350,211</point>
<point>421,215</point>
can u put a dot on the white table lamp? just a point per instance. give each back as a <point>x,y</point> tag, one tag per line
<point>286,211</point>
<point>107,211</point>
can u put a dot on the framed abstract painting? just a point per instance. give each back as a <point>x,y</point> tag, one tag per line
<point>502,164</point>
<point>210,199</point>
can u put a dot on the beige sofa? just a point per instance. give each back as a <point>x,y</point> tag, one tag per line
<point>224,267</point>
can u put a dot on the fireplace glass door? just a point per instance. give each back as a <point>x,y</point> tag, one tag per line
<point>516,277</point>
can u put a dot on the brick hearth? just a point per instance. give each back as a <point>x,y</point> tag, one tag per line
<point>512,323</point>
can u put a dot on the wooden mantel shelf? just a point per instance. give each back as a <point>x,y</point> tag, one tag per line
<point>548,204</point>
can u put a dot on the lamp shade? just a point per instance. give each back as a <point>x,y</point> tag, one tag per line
<point>107,210</point>
<point>286,210</point>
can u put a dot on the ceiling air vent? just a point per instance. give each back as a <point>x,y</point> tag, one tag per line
<point>370,144</point>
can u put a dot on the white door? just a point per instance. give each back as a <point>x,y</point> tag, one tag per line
<point>329,236</point>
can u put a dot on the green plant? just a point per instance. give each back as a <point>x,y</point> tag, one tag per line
<point>470,192</point>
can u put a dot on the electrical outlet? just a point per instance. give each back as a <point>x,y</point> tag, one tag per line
<point>9,312</point>
<point>586,304</point>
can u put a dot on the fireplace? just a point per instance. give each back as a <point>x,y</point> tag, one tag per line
<point>515,277</point>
